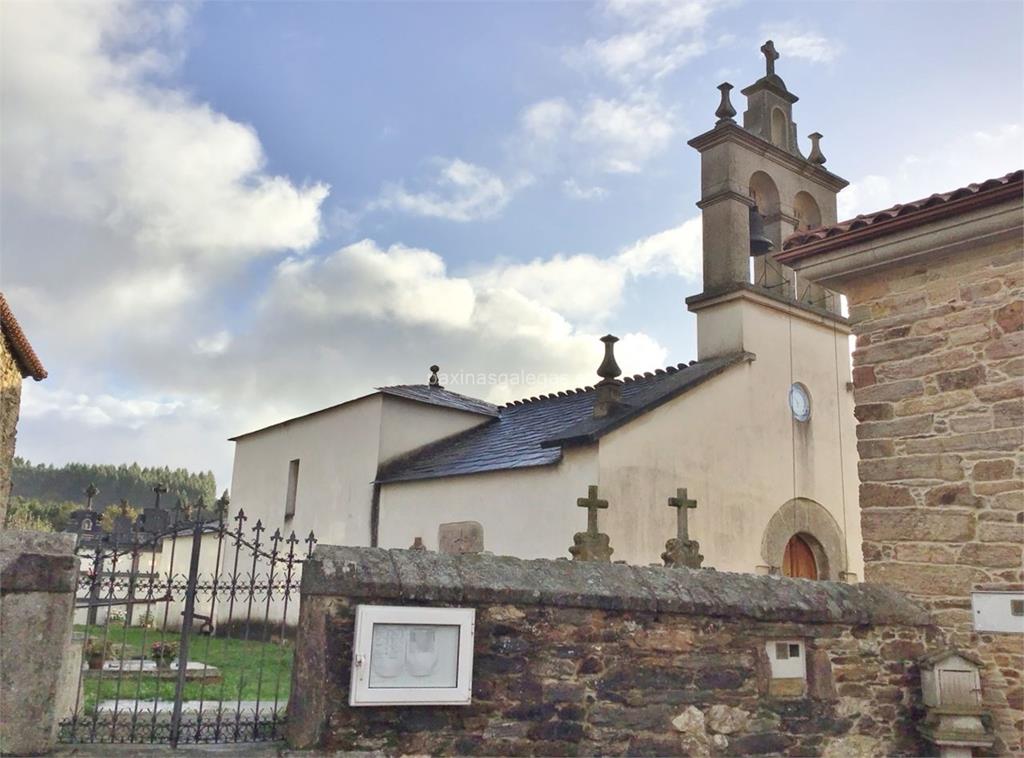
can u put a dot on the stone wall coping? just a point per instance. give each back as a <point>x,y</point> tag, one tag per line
<point>436,578</point>
<point>37,561</point>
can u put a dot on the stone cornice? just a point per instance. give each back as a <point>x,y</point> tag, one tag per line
<point>735,133</point>
<point>769,299</point>
<point>406,576</point>
<point>725,194</point>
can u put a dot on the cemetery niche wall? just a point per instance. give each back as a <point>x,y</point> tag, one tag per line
<point>584,658</point>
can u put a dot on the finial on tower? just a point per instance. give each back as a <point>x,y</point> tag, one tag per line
<point>434,381</point>
<point>816,155</point>
<point>725,110</point>
<point>770,56</point>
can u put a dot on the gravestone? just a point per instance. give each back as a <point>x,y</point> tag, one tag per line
<point>460,537</point>
<point>156,520</point>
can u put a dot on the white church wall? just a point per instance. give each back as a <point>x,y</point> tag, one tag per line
<point>337,452</point>
<point>529,512</point>
<point>822,453</point>
<point>733,444</point>
<point>406,425</point>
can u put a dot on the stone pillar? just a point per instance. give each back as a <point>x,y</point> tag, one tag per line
<point>726,224</point>
<point>38,574</point>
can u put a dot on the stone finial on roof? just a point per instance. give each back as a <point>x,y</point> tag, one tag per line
<point>591,545</point>
<point>90,492</point>
<point>816,155</point>
<point>434,381</point>
<point>609,389</point>
<point>725,110</point>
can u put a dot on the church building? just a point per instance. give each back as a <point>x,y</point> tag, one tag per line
<point>757,433</point>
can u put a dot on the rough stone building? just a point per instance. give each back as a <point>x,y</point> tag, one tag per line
<point>759,429</point>
<point>936,294</point>
<point>17,361</point>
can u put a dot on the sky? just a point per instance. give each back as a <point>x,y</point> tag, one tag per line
<point>217,216</point>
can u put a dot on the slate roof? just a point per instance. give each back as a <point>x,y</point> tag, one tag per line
<point>532,432</point>
<point>865,226</point>
<point>26,358</point>
<point>424,393</point>
<point>420,393</point>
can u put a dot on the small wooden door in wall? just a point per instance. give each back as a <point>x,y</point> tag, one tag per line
<point>798,560</point>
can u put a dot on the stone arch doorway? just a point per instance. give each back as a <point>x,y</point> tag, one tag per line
<point>817,531</point>
<point>798,559</point>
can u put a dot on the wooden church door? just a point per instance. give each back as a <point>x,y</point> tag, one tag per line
<point>798,560</point>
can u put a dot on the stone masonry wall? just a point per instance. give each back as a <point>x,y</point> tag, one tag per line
<point>10,404</point>
<point>607,659</point>
<point>938,387</point>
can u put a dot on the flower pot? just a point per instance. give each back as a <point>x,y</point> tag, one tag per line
<point>163,663</point>
<point>95,661</point>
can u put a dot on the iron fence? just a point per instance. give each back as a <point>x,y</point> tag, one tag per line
<point>184,616</point>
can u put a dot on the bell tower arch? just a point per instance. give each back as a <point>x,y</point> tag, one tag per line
<point>757,188</point>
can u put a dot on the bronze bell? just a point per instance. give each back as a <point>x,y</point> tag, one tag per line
<point>759,242</point>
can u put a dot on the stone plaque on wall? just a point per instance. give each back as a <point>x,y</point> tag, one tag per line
<point>460,537</point>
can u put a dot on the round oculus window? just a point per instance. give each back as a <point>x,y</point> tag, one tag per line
<point>800,402</point>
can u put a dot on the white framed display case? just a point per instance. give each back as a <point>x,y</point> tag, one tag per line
<point>405,655</point>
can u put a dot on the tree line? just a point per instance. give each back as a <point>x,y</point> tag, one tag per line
<point>43,494</point>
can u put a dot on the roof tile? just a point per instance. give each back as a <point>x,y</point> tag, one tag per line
<point>532,432</point>
<point>28,362</point>
<point>792,248</point>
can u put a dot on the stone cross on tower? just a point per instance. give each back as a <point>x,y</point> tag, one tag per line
<point>770,56</point>
<point>682,551</point>
<point>591,545</point>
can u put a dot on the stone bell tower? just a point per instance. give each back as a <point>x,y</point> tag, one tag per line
<point>757,188</point>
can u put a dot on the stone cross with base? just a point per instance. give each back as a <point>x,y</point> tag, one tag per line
<point>770,56</point>
<point>591,545</point>
<point>682,551</point>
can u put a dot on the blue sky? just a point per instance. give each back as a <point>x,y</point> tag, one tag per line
<point>215,216</point>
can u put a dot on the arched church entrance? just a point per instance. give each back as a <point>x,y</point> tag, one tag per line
<point>798,559</point>
<point>802,539</point>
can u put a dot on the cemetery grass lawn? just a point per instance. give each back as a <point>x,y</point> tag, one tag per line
<point>239,663</point>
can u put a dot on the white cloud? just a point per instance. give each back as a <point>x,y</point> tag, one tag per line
<point>578,286</point>
<point>461,191</point>
<point>142,197</point>
<point>660,37</point>
<point>587,288</point>
<point>104,410</point>
<point>972,157</point>
<point>625,134</point>
<point>677,251</point>
<point>404,284</point>
<point>213,344</point>
<point>547,119</point>
<point>127,204</point>
<point>572,188</point>
<point>794,40</point>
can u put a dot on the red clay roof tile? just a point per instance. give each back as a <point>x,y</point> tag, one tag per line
<point>26,358</point>
<point>808,242</point>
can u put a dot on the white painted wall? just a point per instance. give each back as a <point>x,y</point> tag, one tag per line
<point>406,425</point>
<point>530,512</point>
<point>338,453</point>
<point>734,445</point>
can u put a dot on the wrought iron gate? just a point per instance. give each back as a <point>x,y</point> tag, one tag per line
<point>186,618</point>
